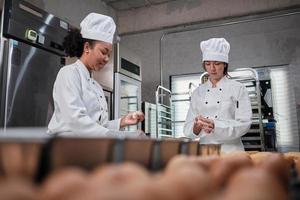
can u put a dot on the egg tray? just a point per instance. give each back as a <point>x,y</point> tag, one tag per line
<point>89,153</point>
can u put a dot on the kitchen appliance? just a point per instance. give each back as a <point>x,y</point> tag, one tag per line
<point>127,62</point>
<point>31,56</point>
<point>127,83</point>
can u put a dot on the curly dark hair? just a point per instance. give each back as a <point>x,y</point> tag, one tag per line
<point>73,43</point>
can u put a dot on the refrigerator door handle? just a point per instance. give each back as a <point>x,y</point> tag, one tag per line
<point>8,77</point>
<point>5,68</point>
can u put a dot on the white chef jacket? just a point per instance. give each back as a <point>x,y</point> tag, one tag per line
<point>228,105</point>
<point>80,108</point>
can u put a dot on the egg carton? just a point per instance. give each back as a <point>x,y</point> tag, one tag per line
<point>88,153</point>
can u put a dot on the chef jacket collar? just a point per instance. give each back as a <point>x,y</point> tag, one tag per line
<point>83,69</point>
<point>219,84</point>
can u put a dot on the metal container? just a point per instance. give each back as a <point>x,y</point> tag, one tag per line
<point>209,149</point>
<point>19,158</point>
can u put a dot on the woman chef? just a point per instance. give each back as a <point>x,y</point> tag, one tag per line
<point>80,108</point>
<point>220,109</point>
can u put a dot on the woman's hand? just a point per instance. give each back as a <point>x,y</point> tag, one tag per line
<point>209,124</point>
<point>132,118</point>
<point>203,123</point>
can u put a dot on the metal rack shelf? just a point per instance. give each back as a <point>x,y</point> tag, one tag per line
<point>164,124</point>
<point>254,138</point>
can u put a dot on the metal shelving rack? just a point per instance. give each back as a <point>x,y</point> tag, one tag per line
<point>254,138</point>
<point>164,123</point>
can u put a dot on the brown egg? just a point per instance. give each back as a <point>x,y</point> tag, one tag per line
<point>178,161</point>
<point>63,184</point>
<point>136,190</point>
<point>118,174</point>
<point>203,162</point>
<point>276,164</point>
<point>291,157</point>
<point>259,157</point>
<point>254,184</point>
<point>118,181</point>
<point>184,179</point>
<point>17,189</point>
<point>144,189</point>
<point>296,155</point>
<point>221,170</point>
<point>207,161</point>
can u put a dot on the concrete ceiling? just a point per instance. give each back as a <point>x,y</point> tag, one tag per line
<point>121,5</point>
<point>186,12</point>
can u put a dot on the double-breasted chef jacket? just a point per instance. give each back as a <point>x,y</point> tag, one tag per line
<point>228,105</point>
<point>80,104</point>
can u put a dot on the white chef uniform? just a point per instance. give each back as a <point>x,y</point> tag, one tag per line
<point>228,105</point>
<point>80,105</point>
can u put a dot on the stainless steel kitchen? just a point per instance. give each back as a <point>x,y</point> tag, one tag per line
<point>149,99</point>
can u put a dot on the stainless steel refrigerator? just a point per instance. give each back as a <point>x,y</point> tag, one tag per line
<point>31,56</point>
<point>127,83</point>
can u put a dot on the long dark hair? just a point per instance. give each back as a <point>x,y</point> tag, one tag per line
<point>225,72</point>
<point>73,43</point>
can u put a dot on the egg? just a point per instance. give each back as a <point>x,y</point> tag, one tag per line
<point>291,157</point>
<point>259,157</point>
<point>254,184</point>
<point>118,174</point>
<point>207,161</point>
<point>276,164</point>
<point>17,189</point>
<point>177,162</point>
<point>185,179</point>
<point>145,189</point>
<point>117,181</point>
<point>135,190</point>
<point>221,170</point>
<point>63,184</point>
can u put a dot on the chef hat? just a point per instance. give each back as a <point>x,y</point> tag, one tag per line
<point>98,27</point>
<point>215,49</point>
